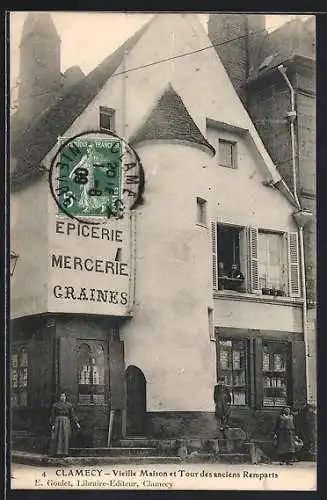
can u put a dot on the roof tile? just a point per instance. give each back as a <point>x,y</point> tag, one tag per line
<point>31,147</point>
<point>170,120</point>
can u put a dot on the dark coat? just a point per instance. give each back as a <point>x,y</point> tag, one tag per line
<point>222,400</point>
<point>285,432</point>
<point>62,416</point>
<point>307,426</point>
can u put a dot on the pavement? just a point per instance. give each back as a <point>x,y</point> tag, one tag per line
<point>41,460</point>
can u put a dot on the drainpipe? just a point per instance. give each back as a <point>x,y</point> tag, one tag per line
<point>291,115</point>
<point>301,217</point>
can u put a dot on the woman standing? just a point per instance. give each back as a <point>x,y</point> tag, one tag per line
<point>285,436</point>
<point>62,416</point>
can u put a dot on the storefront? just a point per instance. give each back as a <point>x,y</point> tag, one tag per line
<point>82,356</point>
<point>264,370</point>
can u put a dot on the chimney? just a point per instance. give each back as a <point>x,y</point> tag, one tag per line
<point>238,40</point>
<point>257,40</point>
<point>39,71</point>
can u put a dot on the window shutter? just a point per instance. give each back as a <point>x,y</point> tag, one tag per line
<point>253,245</point>
<point>293,265</point>
<point>116,375</point>
<point>214,255</point>
<point>40,366</point>
<point>68,367</point>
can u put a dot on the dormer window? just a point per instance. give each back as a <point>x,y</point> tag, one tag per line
<point>107,118</point>
<point>227,153</point>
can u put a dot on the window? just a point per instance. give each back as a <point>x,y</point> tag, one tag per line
<point>231,262</point>
<point>19,366</point>
<point>107,118</point>
<point>210,324</point>
<point>91,384</point>
<point>233,367</point>
<point>257,261</point>
<point>275,368</point>
<point>201,215</point>
<point>271,261</point>
<point>227,153</point>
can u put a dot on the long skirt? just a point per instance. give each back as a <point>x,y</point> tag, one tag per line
<point>61,435</point>
<point>285,441</point>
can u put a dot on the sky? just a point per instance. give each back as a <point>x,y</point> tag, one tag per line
<point>88,37</point>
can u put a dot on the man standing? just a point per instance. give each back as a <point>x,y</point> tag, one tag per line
<point>223,401</point>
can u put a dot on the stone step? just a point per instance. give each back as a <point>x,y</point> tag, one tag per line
<point>224,458</point>
<point>44,460</point>
<point>191,443</point>
<point>114,452</point>
<point>73,461</point>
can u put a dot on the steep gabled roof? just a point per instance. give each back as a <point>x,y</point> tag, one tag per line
<point>32,146</point>
<point>171,121</point>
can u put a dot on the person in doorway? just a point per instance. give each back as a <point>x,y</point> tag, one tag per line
<point>284,437</point>
<point>222,398</point>
<point>237,276</point>
<point>62,418</point>
<point>308,429</point>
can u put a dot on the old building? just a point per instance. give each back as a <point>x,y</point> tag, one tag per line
<point>212,195</point>
<point>257,64</point>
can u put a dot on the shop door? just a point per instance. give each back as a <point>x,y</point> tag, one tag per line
<point>136,401</point>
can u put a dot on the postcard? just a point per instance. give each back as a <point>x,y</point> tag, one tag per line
<point>162,264</point>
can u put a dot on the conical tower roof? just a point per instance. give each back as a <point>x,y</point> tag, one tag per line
<point>170,121</point>
<point>40,23</point>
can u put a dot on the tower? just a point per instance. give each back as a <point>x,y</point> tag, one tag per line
<point>39,71</point>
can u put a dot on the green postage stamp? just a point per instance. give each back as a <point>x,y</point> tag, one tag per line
<point>90,177</point>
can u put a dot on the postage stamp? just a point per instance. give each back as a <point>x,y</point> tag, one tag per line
<point>95,175</point>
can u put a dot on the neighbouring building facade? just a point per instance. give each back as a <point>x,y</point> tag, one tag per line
<point>252,63</point>
<point>148,343</point>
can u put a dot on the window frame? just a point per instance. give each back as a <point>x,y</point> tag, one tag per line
<point>276,374</point>
<point>91,390</point>
<point>109,113</point>
<point>20,391</point>
<point>249,260</point>
<point>283,260</point>
<point>233,145</point>
<point>201,212</point>
<point>243,257</point>
<point>255,340</point>
<point>247,368</point>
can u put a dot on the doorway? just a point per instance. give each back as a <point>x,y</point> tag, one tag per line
<point>135,401</point>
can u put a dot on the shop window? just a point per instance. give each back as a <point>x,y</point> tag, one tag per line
<point>272,263</point>
<point>91,374</point>
<point>201,211</point>
<point>227,153</point>
<point>19,367</point>
<point>233,367</point>
<point>107,118</point>
<point>275,368</point>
